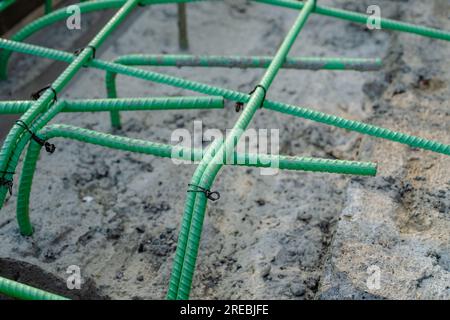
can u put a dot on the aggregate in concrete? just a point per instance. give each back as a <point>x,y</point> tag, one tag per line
<point>294,235</point>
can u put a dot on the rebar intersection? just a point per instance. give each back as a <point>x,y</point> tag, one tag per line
<point>38,114</point>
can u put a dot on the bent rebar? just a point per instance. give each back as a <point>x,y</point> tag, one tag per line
<point>62,14</point>
<point>388,24</point>
<point>167,151</point>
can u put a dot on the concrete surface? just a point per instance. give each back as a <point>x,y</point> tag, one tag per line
<point>295,235</point>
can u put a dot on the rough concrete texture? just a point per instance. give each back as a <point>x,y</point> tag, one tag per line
<point>295,235</point>
<point>399,222</point>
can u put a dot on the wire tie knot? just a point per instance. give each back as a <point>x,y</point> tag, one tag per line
<point>79,50</point>
<point>240,105</point>
<point>211,195</point>
<point>36,95</point>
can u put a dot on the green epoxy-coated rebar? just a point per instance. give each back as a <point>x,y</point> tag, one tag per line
<point>21,291</point>
<point>166,151</point>
<point>183,40</point>
<point>132,104</point>
<point>126,104</point>
<point>307,63</point>
<point>48,6</point>
<point>310,63</point>
<point>109,105</point>
<point>352,125</point>
<point>190,233</point>
<point>35,127</point>
<point>108,4</point>
<point>48,96</point>
<point>15,107</point>
<point>5,4</point>
<point>412,141</point>
<point>329,63</point>
<point>356,17</point>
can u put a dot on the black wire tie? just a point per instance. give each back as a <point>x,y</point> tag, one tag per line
<point>49,147</point>
<point>211,195</point>
<point>36,95</point>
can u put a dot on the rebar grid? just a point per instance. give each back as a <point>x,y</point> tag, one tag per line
<point>297,111</point>
<point>37,114</point>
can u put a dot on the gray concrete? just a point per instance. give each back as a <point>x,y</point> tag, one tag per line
<point>295,235</point>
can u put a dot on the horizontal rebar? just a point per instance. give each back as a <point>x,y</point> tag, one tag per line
<point>205,174</point>
<point>356,17</point>
<point>352,125</point>
<point>235,61</point>
<point>15,107</point>
<point>307,63</point>
<point>48,6</point>
<point>123,104</point>
<point>22,291</point>
<point>38,113</point>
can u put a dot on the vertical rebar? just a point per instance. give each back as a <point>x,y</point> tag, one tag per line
<point>191,229</point>
<point>48,6</point>
<point>182,27</point>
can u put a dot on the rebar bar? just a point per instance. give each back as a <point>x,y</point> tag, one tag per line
<point>62,14</point>
<point>361,18</point>
<point>22,291</point>
<point>125,104</point>
<point>219,61</point>
<point>305,63</point>
<point>166,151</point>
<point>5,4</point>
<point>182,27</point>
